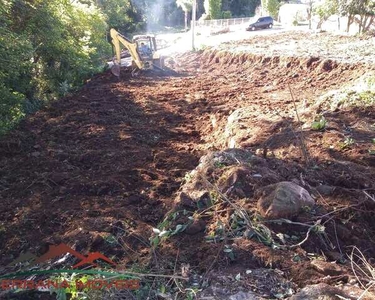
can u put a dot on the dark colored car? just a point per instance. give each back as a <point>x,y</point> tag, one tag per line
<point>263,22</point>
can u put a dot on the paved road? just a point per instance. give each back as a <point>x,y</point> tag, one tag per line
<point>181,42</point>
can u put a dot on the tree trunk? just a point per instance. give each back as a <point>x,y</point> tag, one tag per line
<point>367,26</point>
<point>350,21</point>
<point>362,19</point>
<point>309,13</point>
<point>186,20</point>
<point>320,23</point>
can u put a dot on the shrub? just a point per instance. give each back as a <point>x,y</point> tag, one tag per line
<point>61,44</point>
<point>227,14</point>
<point>11,108</point>
<point>319,124</point>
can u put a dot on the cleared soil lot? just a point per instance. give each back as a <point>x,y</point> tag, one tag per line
<point>100,168</point>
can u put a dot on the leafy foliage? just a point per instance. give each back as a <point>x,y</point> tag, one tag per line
<point>11,111</point>
<point>166,230</point>
<point>347,143</point>
<point>47,48</point>
<point>272,7</point>
<point>213,8</point>
<point>122,15</point>
<point>227,14</point>
<point>319,124</point>
<point>364,8</point>
<point>243,8</point>
<point>324,10</point>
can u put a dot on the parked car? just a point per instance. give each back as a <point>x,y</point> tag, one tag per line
<point>261,23</point>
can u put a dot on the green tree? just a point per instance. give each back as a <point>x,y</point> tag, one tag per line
<point>324,10</point>
<point>15,67</point>
<point>243,8</point>
<point>213,9</point>
<point>227,14</point>
<point>364,8</point>
<point>47,48</point>
<point>123,15</point>
<point>272,7</point>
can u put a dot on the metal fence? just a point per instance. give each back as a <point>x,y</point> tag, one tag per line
<point>224,22</point>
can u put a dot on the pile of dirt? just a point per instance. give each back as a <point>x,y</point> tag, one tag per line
<point>232,178</point>
<point>335,163</point>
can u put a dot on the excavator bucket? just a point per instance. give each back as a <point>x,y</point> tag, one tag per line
<point>115,69</point>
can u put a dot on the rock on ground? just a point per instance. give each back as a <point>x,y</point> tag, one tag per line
<point>245,127</point>
<point>327,268</point>
<point>283,200</point>
<point>195,191</point>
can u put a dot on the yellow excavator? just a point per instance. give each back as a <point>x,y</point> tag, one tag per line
<point>142,49</point>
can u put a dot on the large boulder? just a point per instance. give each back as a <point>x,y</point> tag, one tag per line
<point>283,200</point>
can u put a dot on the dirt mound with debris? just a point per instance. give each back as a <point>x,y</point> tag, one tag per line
<point>219,205</point>
<point>100,169</point>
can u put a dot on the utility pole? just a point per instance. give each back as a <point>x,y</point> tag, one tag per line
<point>310,13</point>
<point>193,19</point>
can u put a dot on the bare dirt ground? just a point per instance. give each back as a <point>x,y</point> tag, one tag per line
<point>349,49</point>
<point>282,41</point>
<point>99,169</point>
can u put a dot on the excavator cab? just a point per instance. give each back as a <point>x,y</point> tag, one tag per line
<point>146,44</point>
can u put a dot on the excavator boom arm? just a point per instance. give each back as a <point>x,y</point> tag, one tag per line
<point>117,40</point>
